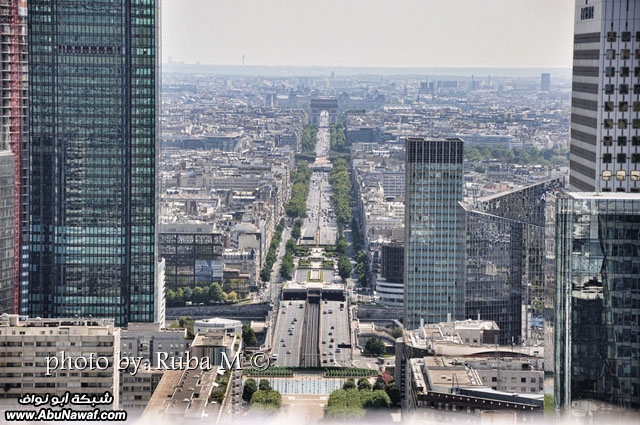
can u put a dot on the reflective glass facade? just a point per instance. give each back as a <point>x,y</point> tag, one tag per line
<point>191,258</point>
<point>434,231</point>
<point>494,272</point>
<point>93,74</point>
<point>6,232</point>
<point>597,328</point>
<point>506,260</point>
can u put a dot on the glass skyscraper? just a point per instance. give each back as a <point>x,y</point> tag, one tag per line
<point>93,80</point>
<point>597,333</point>
<point>505,260</point>
<point>6,231</point>
<point>434,231</point>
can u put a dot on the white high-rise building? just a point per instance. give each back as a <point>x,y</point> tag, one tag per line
<point>605,107</point>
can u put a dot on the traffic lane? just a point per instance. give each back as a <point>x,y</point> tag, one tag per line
<point>334,331</point>
<point>291,342</point>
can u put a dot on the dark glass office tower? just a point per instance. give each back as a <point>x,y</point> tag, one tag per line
<point>434,231</point>
<point>597,333</point>
<point>506,259</point>
<point>93,79</point>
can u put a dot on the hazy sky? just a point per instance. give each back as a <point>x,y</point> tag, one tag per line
<point>388,33</point>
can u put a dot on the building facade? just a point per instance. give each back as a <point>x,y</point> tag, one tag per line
<point>6,232</point>
<point>93,100</point>
<point>545,81</point>
<point>15,129</point>
<point>434,231</point>
<point>193,254</point>
<point>494,272</point>
<point>597,301</point>
<point>389,283</point>
<point>506,260</point>
<point>605,109</point>
<point>24,342</point>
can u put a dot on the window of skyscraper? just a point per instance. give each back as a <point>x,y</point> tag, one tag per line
<point>610,71</point>
<point>611,36</point>
<point>622,158</point>
<point>624,71</point>
<point>623,89</point>
<point>625,54</point>
<point>622,140</point>
<point>621,175</point>
<point>611,54</point>
<point>623,106</point>
<point>607,140</point>
<point>606,158</point>
<point>606,175</point>
<point>626,36</point>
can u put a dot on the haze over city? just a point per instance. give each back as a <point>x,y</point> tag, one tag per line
<point>370,33</point>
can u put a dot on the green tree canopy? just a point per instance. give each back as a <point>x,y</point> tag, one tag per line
<point>348,384</point>
<point>374,346</point>
<point>344,267</point>
<point>364,384</point>
<point>249,388</point>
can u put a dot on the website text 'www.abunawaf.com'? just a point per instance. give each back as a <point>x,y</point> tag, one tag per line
<point>83,408</point>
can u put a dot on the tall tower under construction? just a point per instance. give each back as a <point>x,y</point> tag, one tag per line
<point>13,137</point>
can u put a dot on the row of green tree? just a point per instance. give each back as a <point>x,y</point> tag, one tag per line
<point>309,138</point>
<point>344,267</point>
<point>261,397</point>
<point>206,293</point>
<point>362,268</point>
<point>341,186</point>
<point>249,338</point>
<point>338,139</point>
<point>522,156</point>
<point>265,273</point>
<point>297,229</point>
<point>362,261</point>
<point>297,206</point>
<point>352,402</point>
<point>286,267</point>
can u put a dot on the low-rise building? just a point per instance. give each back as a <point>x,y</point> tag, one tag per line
<point>137,389</point>
<point>26,343</point>
<point>230,326</point>
<point>149,340</point>
<point>459,368</point>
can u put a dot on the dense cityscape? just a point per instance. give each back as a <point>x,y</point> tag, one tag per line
<point>332,244</point>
